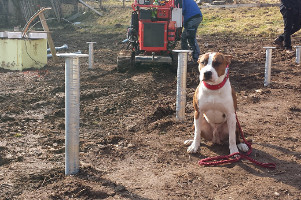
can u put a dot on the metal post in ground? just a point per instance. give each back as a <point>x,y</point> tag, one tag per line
<point>268,65</point>
<point>298,54</point>
<point>91,54</point>
<point>181,83</point>
<point>72,101</point>
<point>65,46</point>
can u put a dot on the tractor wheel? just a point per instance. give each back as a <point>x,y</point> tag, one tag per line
<point>125,60</point>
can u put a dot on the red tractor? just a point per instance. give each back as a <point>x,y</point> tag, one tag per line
<point>156,27</point>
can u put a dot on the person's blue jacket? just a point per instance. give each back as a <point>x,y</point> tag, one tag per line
<point>190,9</point>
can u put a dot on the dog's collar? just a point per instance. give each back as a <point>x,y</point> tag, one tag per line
<point>220,85</point>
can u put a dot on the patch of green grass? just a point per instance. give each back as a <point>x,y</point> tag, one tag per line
<point>18,135</point>
<point>245,22</point>
<point>112,3</point>
<point>114,20</point>
<point>264,22</point>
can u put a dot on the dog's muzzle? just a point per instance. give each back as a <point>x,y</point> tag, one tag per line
<point>207,75</point>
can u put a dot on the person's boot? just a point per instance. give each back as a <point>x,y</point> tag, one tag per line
<point>289,50</point>
<point>278,43</point>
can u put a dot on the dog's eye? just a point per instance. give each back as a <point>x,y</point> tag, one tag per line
<point>216,63</point>
<point>203,62</point>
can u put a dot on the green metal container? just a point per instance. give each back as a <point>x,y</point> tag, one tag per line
<point>21,53</point>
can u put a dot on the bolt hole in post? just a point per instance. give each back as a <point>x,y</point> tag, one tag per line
<point>298,54</point>
<point>268,65</point>
<point>91,54</point>
<point>72,102</point>
<point>181,83</point>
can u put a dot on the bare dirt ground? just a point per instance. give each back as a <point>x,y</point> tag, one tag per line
<point>131,146</point>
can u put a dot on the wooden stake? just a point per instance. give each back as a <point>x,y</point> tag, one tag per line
<point>49,38</point>
<point>85,4</point>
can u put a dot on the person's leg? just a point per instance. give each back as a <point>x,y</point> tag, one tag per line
<point>287,29</point>
<point>184,44</point>
<point>197,51</point>
<point>288,25</point>
<point>296,24</point>
<point>192,26</point>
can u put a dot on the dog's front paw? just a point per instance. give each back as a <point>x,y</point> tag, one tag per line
<point>233,149</point>
<point>193,148</point>
<point>243,147</point>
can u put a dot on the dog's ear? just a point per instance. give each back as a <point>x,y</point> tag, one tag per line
<point>201,56</point>
<point>199,59</point>
<point>228,58</point>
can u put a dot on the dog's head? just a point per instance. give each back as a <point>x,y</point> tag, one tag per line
<point>212,67</point>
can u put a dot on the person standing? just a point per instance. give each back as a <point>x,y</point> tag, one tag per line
<point>291,12</point>
<point>192,18</point>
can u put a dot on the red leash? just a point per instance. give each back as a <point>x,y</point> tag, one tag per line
<point>213,161</point>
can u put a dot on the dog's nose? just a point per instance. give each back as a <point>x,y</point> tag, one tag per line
<point>207,75</point>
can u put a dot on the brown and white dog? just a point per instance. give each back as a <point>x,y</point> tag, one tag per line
<point>215,104</point>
